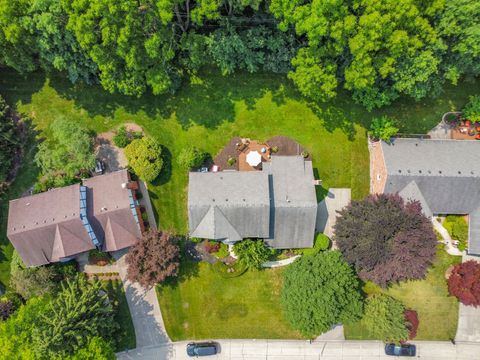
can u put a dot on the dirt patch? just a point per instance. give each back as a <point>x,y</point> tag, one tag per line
<point>106,151</point>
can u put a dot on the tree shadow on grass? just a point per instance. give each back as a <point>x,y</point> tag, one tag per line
<point>188,269</point>
<point>15,87</point>
<point>208,102</point>
<point>166,172</point>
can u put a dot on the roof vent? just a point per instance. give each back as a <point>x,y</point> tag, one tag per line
<point>23,226</point>
<point>104,208</point>
<point>408,171</point>
<point>459,172</point>
<point>416,144</point>
<point>213,200</point>
<point>44,221</point>
<point>400,171</point>
<point>243,199</point>
<point>124,185</point>
<point>36,222</point>
<point>439,171</point>
<point>14,228</point>
<point>419,171</point>
<point>429,172</point>
<point>65,216</point>
<point>226,199</point>
<point>27,204</point>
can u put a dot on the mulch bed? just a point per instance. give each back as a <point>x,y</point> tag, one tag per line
<point>230,150</point>
<point>286,146</point>
<point>104,276</point>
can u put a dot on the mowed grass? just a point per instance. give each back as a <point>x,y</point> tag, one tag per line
<point>210,109</point>
<point>437,311</point>
<point>204,305</point>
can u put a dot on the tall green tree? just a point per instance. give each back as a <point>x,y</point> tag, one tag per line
<point>57,47</point>
<point>459,26</point>
<point>9,140</point>
<point>18,48</point>
<point>79,312</point>
<point>385,318</point>
<point>132,46</point>
<point>68,150</point>
<point>376,49</point>
<point>144,157</point>
<point>16,332</point>
<point>320,291</point>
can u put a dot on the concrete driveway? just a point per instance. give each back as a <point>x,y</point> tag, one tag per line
<point>335,200</point>
<point>304,350</point>
<point>468,318</point>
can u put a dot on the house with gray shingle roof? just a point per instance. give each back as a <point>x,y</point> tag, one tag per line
<point>443,175</point>
<point>277,204</point>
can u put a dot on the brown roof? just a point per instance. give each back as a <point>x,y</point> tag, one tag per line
<point>47,227</point>
<point>110,212</point>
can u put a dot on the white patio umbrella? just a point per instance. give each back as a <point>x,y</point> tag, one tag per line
<point>254,158</point>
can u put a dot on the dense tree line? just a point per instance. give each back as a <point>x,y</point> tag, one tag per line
<point>376,49</point>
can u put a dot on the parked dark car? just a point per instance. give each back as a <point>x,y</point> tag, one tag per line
<point>99,167</point>
<point>400,350</point>
<point>202,349</point>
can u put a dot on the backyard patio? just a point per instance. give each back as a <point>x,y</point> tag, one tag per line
<point>244,154</point>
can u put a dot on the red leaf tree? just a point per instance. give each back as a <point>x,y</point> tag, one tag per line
<point>153,259</point>
<point>464,282</point>
<point>386,239</point>
<point>411,317</point>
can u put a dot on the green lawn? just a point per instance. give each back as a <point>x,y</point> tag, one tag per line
<point>125,336</point>
<point>437,311</point>
<point>206,305</point>
<point>211,109</point>
<point>207,112</point>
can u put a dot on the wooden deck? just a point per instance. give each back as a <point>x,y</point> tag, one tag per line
<point>253,146</point>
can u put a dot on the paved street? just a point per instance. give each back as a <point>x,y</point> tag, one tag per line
<point>303,350</point>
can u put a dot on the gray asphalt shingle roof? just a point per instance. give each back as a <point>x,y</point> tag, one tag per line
<point>292,223</point>
<point>218,202</point>
<point>278,203</point>
<point>444,175</point>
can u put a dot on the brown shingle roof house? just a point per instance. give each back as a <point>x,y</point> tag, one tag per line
<point>61,223</point>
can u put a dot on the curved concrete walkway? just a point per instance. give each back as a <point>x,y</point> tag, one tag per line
<point>452,250</point>
<point>279,263</point>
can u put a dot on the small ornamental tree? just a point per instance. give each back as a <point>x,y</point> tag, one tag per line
<point>252,253</point>
<point>383,128</point>
<point>153,259</point>
<point>320,291</point>
<point>144,157</point>
<point>386,239</point>
<point>464,283</point>
<point>122,137</point>
<point>385,318</point>
<point>411,317</point>
<point>190,157</point>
